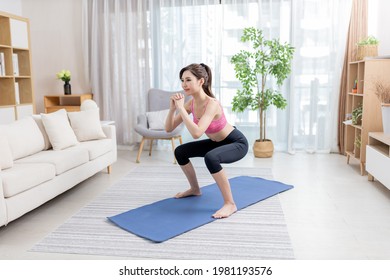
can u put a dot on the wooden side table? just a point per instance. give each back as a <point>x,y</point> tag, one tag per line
<point>70,103</point>
<point>378,157</point>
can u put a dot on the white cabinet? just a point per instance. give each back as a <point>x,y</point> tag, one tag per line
<point>378,157</point>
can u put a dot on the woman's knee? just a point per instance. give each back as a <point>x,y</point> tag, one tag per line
<point>181,155</point>
<point>213,163</point>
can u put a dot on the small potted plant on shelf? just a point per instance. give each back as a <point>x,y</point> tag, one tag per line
<point>367,47</point>
<point>357,114</point>
<point>382,91</point>
<point>354,89</point>
<point>64,75</point>
<point>267,59</point>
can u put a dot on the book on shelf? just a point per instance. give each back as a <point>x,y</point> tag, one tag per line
<point>17,95</point>
<point>15,61</point>
<point>2,64</point>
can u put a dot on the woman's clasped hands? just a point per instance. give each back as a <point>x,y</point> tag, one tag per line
<point>177,101</point>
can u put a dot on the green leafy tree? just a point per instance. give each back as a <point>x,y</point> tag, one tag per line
<point>268,58</point>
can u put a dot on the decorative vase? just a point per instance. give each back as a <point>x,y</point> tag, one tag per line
<point>67,88</point>
<point>263,149</point>
<point>386,118</point>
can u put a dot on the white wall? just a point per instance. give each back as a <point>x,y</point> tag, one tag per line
<point>55,28</point>
<point>378,22</point>
<point>12,7</point>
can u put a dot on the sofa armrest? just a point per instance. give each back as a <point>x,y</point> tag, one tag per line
<point>3,209</point>
<point>110,132</point>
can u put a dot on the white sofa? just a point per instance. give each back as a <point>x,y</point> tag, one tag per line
<point>44,155</point>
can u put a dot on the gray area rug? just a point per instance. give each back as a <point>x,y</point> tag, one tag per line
<point>256,232</point>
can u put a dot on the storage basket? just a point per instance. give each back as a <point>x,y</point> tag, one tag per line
<point>366,50</point>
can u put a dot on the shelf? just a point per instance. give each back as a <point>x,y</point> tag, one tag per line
<point>380,142</point>
<point>352,155</point>
<point>353,125</point>
<point>365,72</point>
<point>70,103</point>
<point>52,109</point>
<point>356,94</point>
<point>16,92</point>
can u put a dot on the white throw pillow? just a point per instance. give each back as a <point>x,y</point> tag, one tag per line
<point>58,130</point>
<point>156,119</point>
<point>86,125</point>
<point>38,120</point>
<point>6,160</point>
<point>24,138</point>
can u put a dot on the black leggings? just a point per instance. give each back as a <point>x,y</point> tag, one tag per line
<point>233,148</point>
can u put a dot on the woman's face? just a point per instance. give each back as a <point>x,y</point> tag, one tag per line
<point>190,83</point>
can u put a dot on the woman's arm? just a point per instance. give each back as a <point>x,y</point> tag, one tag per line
<point>173,120</point>
<point>197,130</point>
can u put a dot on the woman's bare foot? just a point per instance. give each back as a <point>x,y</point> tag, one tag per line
<point>226,210</point>
<point>189,192</point>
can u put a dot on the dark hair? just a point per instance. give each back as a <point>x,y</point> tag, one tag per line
<point>200,71</point>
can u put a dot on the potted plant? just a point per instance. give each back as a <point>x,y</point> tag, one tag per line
<point>383,93</point>
<point>64,75</point>
<point>254,69</point>
<point>357,114</point>
<point>367,47</point>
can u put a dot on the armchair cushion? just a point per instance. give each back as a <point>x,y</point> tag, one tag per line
<point>156,119</point>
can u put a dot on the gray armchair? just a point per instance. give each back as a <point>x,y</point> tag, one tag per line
<point>158,100</point>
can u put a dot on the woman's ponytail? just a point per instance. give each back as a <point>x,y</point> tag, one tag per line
<point>207,84</point>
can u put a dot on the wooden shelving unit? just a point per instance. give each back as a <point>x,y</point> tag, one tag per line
<point>70,103</point>
<point>16,91</point>
<point>367,73</point>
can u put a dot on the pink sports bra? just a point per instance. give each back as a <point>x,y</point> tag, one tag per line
<point>215,125</point>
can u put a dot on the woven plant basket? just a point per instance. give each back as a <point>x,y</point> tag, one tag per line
<point>263,149</point>
<point>366,50</point>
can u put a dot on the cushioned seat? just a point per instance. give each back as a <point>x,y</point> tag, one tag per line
<point>158,103</point>
<point>33,175</point>
<point>63,160</point>
<point>96,148</point>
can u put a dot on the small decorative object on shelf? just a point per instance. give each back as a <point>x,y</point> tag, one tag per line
<point>367,48</point>
<point>67,88</point>
<point>354,89</point>
<point>357,114</point>
<point>64,75</point>
<point>382,91</point>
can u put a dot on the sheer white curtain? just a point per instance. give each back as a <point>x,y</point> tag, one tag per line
<point>134,45</point>
<point>319,33</point>
<point>204,31</point>
<point>117,48</point>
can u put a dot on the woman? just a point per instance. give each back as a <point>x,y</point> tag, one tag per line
<point>226,144</point>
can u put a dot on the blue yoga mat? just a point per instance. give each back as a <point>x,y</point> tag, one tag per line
<point>171,217</point>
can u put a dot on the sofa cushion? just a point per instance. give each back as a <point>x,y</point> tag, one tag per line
<point>156,119</point>
<point>97,148</point>
<point>6,160</point>
<point>63,160</point>
<point>38,120</point>
<point>86,125</point>
<point>22,177</point>
<point>58,130</point>
<point>21,130</point>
